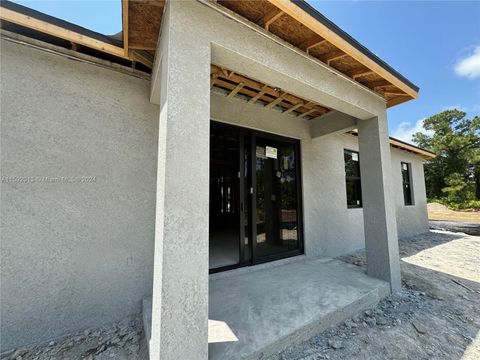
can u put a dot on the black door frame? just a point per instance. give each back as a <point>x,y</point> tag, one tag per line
<point>252,199</point>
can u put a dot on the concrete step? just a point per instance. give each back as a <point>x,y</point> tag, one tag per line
<point>257,313</point>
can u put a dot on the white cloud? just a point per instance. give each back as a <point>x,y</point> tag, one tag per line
<point>469,66</point>
<point>405,130</point>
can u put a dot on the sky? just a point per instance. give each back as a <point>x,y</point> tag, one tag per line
<point>435,44</point>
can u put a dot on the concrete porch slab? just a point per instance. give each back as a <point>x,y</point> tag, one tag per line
<point>256,313</point>
<point>270,309</point>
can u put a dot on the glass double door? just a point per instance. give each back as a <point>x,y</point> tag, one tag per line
<point>255,209</point>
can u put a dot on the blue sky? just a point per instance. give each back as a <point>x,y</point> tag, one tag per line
<point>435,44</point>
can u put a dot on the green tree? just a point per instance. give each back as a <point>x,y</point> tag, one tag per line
<point>455,172</point>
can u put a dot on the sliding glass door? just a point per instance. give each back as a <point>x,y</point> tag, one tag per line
<point>255,197</point>
<point>277,198</point>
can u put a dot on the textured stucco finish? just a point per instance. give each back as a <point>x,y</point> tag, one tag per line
<point>73,255</point>
<point>380,226</point>
<point>180,285</point>
<point>412,219</point>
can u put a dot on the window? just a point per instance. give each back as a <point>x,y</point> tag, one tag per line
<point>407,186</point>
<point>352,179</point>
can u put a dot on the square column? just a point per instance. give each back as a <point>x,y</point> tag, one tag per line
<point>180,280</point>
<point>381,241</point>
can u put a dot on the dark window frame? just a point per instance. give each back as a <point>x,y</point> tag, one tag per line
<point>356,180</point>
<point>408,199</point>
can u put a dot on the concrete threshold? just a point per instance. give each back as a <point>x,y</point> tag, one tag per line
<point>258,313</point>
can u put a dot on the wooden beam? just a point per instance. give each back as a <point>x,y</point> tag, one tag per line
<point>334,56</point>
<point>296,12</point>
<point>307,46</point>
<point>278,100</point>
<point>359,73</point>
<point>398,100</point>
<point>293,108</point>
<point>377,84</point>
<point>306,113</point>
<point>262,92</point>
<point>125,25</point>
<point>235,91</point>
<point>390,93</point>
<point>271,17</point>
<point>212,80</point>
<point>141,57</point>
<point>54,30</point>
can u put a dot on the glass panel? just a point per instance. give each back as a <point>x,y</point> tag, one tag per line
<point>352,165</point>
<point>276,197</point>
<point>224,197</point>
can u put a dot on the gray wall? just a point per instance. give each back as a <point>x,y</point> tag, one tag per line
<point>73,255</point>
<point>412,219</point>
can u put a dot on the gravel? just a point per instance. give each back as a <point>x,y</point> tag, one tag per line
<point>120,341</point>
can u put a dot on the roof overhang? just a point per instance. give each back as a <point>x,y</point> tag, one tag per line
<point>293,21</point>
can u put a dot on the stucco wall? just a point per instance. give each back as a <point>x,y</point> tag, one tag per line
<point>412,219</point>
<point>73,255</point>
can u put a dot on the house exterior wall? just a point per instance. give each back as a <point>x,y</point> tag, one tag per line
<point>412,219</point>
<point>79,255</point>
<point>73,255</point>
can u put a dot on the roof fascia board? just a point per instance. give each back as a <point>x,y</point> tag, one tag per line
<point>307,15</point>
<point>29,21</point>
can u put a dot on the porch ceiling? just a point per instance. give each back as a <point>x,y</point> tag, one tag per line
<point>234,84</point>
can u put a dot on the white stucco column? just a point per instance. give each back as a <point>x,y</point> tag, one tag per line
<point>378,201</point>
<point>180,285</point>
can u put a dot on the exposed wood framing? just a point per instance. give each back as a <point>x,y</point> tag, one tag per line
<point>142,57</point>
<point>378,84</point>
<point>309,45</point>
<point>271,17</point>
<point>306,113</point>
<point>270,96</point>
<point>276,101</point>
<point>360,73</point>
<point>54,30</point>
<point>297,13</point>
<point>236,90</point>
<point>294,107</point>
<point>262,91</point>
<point>329,58</point>
<point>125,25</point>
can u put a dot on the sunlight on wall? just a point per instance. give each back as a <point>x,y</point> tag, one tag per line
<point>219,331</point>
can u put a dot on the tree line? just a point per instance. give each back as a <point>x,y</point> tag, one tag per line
<point>453,176</point>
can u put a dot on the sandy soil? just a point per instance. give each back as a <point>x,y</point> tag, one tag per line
<point>435,316</point>
<point>438,211</point>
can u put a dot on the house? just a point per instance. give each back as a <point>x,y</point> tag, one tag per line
<point>208,136</point>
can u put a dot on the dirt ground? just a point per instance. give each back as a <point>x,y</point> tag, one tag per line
<point>435,316</point>
<point>438,211</point>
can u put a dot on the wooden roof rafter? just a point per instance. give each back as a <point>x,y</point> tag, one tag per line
<point>297,23</point>
<point>234,84</point>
